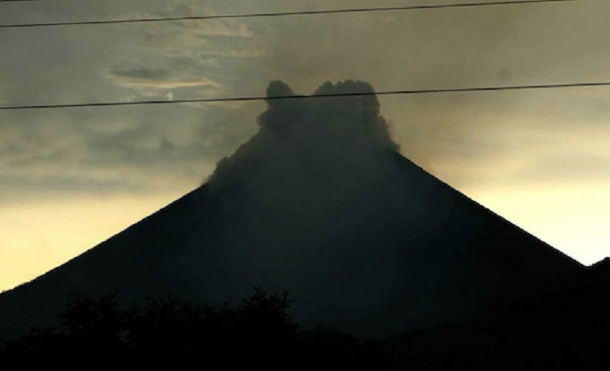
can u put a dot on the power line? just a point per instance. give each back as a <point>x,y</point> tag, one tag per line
<point>284,14</point>
<point>316,96</point>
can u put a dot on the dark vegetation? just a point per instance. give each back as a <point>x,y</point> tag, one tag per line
<point>565,329</point>
<point>258,331</point>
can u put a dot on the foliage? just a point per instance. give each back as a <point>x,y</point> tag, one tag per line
<point>258,331</point>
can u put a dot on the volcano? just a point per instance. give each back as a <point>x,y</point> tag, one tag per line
<point>321,204</point>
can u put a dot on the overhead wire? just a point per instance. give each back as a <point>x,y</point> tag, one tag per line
<point>293,13</point>
<point>285,14</point>
<point>315,96</point>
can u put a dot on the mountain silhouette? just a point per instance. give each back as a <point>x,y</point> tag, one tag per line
<point>321,204</point>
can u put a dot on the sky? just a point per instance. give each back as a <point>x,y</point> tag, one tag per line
<point>70,178</point>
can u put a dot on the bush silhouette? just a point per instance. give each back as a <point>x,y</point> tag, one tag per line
<point>257,331</point>
<point>92,324</point>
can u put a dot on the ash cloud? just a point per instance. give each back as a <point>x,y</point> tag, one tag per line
<point>338,133</point>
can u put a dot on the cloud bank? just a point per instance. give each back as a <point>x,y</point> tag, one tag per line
<point>139,77</point>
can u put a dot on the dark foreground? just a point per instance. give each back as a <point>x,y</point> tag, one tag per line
<point>564,330</point>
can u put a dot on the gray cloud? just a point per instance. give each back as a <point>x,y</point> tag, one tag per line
<point>140,77</point>
<point>140,151</point>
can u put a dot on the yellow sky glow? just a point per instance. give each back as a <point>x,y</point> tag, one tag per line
<point>38,237</point>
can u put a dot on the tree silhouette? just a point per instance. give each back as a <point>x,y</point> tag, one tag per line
<point>258,332</point>
<point>92,324</point>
